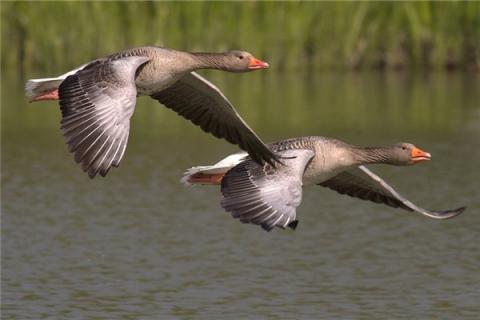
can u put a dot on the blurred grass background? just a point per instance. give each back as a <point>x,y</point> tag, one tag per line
<point>51,37</point>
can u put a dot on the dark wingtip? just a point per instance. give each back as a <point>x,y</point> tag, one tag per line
<point>274,160</point>
<point>267,227</point>
<point>269,157</point>
<point>448,214</point>
<point>459,210</point>
<point>293,225</point>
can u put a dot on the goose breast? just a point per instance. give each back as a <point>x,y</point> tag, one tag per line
<point>330,159</point>
<point>162,71</point>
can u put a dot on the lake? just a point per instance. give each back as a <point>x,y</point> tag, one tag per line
<point>139,245</point>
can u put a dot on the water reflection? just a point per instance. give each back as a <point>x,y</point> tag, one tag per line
<point>137,244</point>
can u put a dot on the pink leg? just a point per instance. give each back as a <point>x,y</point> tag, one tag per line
<point>46,95</point>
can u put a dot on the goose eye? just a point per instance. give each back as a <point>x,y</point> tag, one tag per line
<point>404,148</point>
<point>240,57</point>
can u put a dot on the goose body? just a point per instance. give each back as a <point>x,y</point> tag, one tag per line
<point>98,98</point>
<point>268,196</point>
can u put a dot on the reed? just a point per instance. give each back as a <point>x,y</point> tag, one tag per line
<point>44,37</point>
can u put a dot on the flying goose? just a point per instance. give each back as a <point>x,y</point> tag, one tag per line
<point>98,98</point>
<point>268,196</point>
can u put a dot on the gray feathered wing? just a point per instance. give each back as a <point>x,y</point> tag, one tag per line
<point>362,183</point>
<point>201,102</point>
<point>264,195</point>
<point>97,103</point>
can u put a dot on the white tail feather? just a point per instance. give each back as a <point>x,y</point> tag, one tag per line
<point>220,167</point>
<point>34,87</point>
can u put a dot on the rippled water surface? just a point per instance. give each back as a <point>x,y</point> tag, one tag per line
<point>139,245</point>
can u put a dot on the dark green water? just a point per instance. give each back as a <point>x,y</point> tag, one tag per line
<point>139,245</point>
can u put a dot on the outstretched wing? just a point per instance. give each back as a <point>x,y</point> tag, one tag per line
<point>264,195</point>
<point>97,103</point>
<point>201,102</point>
<point>364,184</point>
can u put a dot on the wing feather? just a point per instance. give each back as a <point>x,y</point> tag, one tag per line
<point>199,101</point>
<point>362,183</point>
<point>264,195</point>
<point>97,103</point>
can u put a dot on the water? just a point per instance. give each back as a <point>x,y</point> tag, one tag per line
<point>139,245</point>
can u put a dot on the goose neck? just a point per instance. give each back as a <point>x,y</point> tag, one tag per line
<point>371,155</point>
<point>207,60</point>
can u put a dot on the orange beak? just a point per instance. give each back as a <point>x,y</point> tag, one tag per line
<point>420,155</point>
<point>257,64</point>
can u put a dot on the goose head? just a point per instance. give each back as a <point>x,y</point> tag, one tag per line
<point>243,61</point>
<point>408,154</point>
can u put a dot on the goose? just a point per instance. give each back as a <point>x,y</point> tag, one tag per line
<point>98,98</point>
<point>268,196</point>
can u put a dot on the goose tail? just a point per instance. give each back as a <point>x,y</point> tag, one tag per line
<point>36,87</point>
<point>213,174</point>
<point>47,88</point>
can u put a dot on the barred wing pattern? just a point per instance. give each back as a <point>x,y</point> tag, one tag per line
<point>97,103</point>
<point>263,195</point>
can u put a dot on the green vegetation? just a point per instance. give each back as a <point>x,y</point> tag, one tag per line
<point>41,37</point>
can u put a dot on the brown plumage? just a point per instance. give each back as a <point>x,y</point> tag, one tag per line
<point>268,196</point>
<point>98,99</point>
